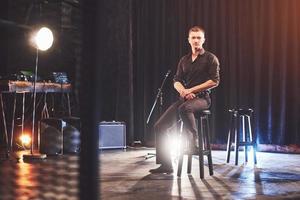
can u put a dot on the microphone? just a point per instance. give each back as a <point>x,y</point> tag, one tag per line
<point>168,73</point>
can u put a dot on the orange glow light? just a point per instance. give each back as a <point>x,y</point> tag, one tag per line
<point>25,139</point>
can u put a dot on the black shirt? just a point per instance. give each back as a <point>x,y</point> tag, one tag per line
<point>205,67</point>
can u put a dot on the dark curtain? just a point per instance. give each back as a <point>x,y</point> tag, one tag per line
<point>257,43</point>
<point>116,64</point>
<point>3,39</point>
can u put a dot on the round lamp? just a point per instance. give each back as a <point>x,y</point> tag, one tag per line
<point>44,39</point>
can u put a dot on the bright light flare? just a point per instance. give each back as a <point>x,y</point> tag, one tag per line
<point>25,139</point>
<point>44,39</point>
<point>175,143</point>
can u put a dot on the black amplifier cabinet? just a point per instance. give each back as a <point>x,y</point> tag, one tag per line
<point>112,135</point>
<point>71,134</point>
<point>51,136</point>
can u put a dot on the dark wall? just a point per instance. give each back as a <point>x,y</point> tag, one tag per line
<point>3,38</point>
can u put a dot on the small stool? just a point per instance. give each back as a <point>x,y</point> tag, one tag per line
<point>204,146</point>
<point>240,117</point>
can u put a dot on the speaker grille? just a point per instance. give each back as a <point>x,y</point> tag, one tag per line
<point>71,139</point>
<point>51,136</point>
<point>112,135</point>
<point>72,135</point>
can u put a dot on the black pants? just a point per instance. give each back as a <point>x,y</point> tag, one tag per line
<point>185,109</point>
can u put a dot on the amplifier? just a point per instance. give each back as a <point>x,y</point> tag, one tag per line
<point>112,135</point>
<point>51,136</point>
<point>71,134</point>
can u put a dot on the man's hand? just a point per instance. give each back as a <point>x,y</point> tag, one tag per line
<point>187,94</point>
<point>184,92</point>
<point>190,96</point>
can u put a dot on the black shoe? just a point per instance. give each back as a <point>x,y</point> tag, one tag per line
<point>162,169</point>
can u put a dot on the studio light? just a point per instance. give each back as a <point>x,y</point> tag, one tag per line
<point>43,40</point>
<point>25,139</point>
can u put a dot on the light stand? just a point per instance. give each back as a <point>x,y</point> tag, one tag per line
<point>43,40</point>
<point>34,155</point>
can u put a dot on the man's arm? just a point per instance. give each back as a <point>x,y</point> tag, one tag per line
<point>190,93</point>
<point>202,87</point>
<point>180,89</point>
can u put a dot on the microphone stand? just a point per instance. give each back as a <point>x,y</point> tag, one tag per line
<point>159,96</point>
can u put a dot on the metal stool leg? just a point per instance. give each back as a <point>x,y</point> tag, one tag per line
<point>179,168</point>
<point>180,157</point>
<point>244,138</point>
<point>208,148</point>
<point>251,140</point>
<point>200,141</point>
<point>189,167</point>
<point>229,140</point>
<point>237,139</point>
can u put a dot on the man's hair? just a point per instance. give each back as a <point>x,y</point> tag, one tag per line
<point>196,29</point>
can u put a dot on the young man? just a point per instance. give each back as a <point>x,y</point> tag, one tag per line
<point>197,72</point>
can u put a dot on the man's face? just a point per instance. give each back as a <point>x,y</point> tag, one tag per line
<point>196,39</point>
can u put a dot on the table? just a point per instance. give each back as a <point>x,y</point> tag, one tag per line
<point>23,87</point>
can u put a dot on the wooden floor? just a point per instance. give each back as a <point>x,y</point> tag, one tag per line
<point>124,175</point>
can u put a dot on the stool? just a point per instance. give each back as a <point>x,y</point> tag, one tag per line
<point>202,118</point>
<point>240,117</point>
